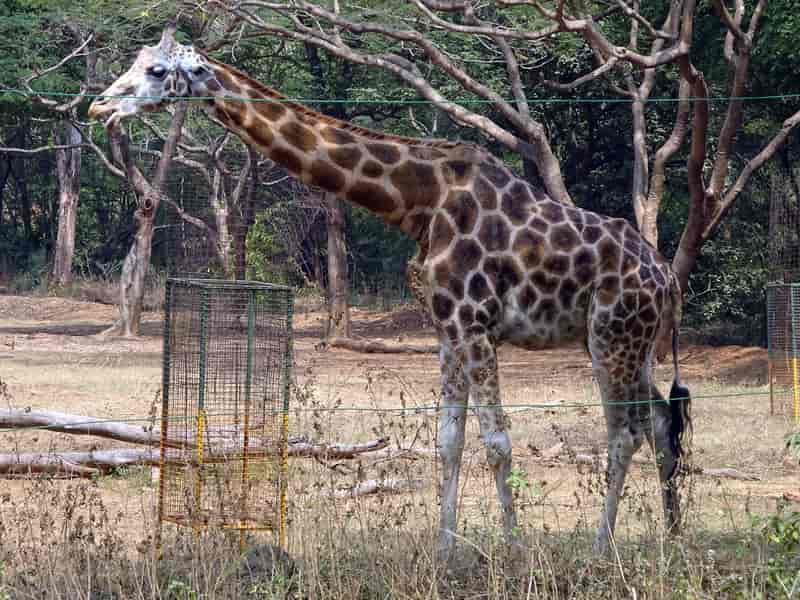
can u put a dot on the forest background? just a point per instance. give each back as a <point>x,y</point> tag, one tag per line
<point>679,116</point>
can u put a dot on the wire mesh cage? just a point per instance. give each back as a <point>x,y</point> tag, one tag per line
<point>783,297</point>
<point>226,373</point>
<point>783,322</point>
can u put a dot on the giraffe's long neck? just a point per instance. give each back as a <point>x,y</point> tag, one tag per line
<point>399,179</point>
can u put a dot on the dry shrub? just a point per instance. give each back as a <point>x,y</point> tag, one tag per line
<point>59,540</point>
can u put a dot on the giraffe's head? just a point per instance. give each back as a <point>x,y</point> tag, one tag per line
<point>160,73</point>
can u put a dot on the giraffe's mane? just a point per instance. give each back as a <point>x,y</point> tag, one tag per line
<point>317,117</point>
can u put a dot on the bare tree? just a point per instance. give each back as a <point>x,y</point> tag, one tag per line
<point>506,33</point>
<point>338,288</point>
<point>149,195</point>
<point>69,147</point>
<point>68,167</point>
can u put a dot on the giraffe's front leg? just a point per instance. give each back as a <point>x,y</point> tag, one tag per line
<point>485,393</point>
<point>452,421</point>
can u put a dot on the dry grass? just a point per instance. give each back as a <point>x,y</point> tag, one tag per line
<point>91,539</point>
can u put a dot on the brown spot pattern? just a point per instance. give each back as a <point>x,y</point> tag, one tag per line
<point>299,136</point>
<point>417,183</point>
<point>385,153</point>
<point>529,246</point>
<point>457,172</point>
<point>503,272</point>
<point>485,193</point>
<point>609,254</point>
<point>466,255</point>
<point>552,212</point>
<point>516,203</point>
<point>495,173</point>
<point>463,209</point>
<point>441,234</point>
<point>346,157</point>
<point>564,238</point>
<point>271,111</point>
<point>442,306</point>
<point>494,233</point>
<point>425,153</point>
<point>478,287</point>
<point>326,176</point>
<point>287,158</point>
<point>371,168</point>
<point>337,136</point>
<point>262,136</point>
<point>557,264</point>
<point>371,196</point>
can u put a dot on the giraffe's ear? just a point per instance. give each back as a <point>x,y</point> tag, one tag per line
<point>167,38</point>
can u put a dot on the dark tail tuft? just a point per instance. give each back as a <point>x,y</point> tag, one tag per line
<point>680,400</point>
<point>680,428</point>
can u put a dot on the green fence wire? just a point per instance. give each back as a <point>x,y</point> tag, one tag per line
<point>578,100</point>
<point>399,410</point>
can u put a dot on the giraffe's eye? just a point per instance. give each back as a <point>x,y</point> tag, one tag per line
<point>157,71</point>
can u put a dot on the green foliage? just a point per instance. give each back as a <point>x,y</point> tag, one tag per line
<point>267,258</point>
<point>781,533</point>
<point>378,253</point>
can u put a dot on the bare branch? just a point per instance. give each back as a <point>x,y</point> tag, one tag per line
<point>596,74</point>
<point>751,167</point>
<point>733,23</point>
<point>535,148</point>
<point>593,36</point>
<point>199,223</point>
<point>112,168</point>
<point>40,149</point>
<point>489,30</point>
<point>635,15</point>
<point>756,17</point>
<point>170,144</point>
<point>671,145</point>
<point>52,104</point>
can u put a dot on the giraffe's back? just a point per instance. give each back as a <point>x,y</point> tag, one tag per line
<point>506,259</point>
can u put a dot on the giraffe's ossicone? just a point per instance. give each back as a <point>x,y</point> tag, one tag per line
<point>498,262</point>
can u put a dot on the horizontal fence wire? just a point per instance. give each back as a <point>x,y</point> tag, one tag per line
<point>431,409</point>
<point>583,100</point>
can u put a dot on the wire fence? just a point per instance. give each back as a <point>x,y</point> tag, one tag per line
<point>422,101</point>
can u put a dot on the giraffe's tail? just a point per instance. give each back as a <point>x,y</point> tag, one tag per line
<point>680,400</point>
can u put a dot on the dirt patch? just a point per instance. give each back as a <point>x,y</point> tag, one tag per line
<point>55,361</point>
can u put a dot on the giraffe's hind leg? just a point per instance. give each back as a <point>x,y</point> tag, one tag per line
<point>666,457</point>
<point>626,423</point>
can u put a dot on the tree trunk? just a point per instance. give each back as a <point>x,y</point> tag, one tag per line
<point>68,167</point>
<point>246,216</point>
<point>338,292</point>
<point>134,272</point>
<point>149,195</point>
<point>221,208</point>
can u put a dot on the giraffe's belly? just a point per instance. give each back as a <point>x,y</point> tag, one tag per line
<point>540,327</point>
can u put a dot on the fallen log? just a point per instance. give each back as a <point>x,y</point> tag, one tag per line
<point>141,435</point>
<point>376,347</point>
<point>16,418</point>
<point>100,462</point>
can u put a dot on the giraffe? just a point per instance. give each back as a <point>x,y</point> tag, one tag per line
<point>498,262</point>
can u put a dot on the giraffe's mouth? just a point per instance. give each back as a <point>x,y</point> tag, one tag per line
<point>104,109</point>
<point>111,113</point>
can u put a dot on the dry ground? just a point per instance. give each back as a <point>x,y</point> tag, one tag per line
<point>51,358</point>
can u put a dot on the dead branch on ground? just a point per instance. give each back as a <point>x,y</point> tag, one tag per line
<point>376,347</point>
